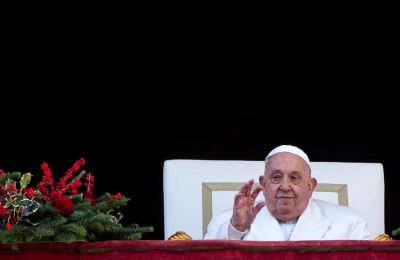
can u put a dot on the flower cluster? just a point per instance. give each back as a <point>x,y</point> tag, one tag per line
<point>58,212</point>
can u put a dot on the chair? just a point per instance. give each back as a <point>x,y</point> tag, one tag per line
<point>195,190</point>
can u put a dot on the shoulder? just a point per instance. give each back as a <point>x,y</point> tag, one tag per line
<point>331,209</point>
<point>346,222</point>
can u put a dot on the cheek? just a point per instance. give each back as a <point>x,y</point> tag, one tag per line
<point>302,192</point>
<point>270,191</point>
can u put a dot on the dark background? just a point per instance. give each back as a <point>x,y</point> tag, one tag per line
<point>126,136</point>
<point>127,91</point>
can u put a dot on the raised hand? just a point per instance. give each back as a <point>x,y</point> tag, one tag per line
<point>244,210</point>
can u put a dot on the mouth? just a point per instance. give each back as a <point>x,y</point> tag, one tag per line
<point>284,200</point>
<point>284,197</point>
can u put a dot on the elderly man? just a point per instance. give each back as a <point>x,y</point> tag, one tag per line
<point>290,213</point>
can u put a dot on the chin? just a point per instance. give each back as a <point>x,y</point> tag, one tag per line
<point>285,214</point>
<point>286,217</point>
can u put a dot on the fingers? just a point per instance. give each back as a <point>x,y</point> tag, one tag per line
<point>255,193</point>
<point>245,191</point>
<point>258,207</point>
<point>238,196</point>
<point>246,188</point>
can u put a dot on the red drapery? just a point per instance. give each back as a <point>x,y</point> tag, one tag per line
<point>204,249</point>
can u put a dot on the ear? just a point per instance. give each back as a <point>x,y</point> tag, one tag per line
<point>312,184</point>
<point>262,180</point>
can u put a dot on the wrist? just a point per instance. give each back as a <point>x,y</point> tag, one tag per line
<point>240,228</point>
<point>234,234</point>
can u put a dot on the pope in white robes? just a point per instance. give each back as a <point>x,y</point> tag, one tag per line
<point>288,212</point>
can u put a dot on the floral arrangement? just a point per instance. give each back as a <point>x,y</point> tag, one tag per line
<point>58,212</point>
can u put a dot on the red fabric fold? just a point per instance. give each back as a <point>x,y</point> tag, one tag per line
<point>204,249</point>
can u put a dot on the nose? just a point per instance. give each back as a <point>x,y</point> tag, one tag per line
<point>285,184</point>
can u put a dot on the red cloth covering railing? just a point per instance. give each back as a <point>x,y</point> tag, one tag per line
<point>204,249</point>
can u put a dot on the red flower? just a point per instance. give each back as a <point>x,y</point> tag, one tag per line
<point>63,204</point>
<point>12,187</point>
<point>90,197</point>
<point>3,211</point>
<point>30,192</point>
<point>117,196</point>
<point>8,226</point>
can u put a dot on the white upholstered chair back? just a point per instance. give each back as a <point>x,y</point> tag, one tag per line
<point>195,190</point>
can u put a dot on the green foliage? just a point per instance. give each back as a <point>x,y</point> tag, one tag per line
<point>25,180</point>
<point>15,176</point>
<point>86,223</point>
<point>51,212</point>
<point>106,203</point>
<point>396,232</point>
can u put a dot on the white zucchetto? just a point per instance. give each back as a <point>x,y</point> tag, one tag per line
<point>290,149</point>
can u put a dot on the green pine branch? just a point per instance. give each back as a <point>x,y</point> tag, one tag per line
<point>396,232</point>
<point>89,223</point>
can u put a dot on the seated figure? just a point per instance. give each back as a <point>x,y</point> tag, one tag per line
<point>288,211</point>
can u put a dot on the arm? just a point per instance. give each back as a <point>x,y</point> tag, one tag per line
<point>360,230</point>
<point>244,210</point>
<point>234,224</point>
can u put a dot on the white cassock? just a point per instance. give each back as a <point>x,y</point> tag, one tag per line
<point>321,220</point>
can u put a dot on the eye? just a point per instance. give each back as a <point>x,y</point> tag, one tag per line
<point>276,178</point>
<point>295,179</point>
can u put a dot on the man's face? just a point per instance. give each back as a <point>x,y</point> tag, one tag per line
<point>287,185</point>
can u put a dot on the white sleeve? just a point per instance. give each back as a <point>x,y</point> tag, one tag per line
<point>218,226</point>
<point>360,230</point>
<point>234,234</point>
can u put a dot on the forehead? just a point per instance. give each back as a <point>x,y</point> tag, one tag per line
<point>286,163</point>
